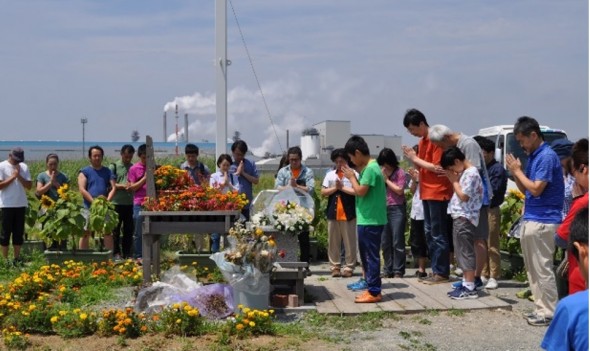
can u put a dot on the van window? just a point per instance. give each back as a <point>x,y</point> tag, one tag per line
<point>513,147</point>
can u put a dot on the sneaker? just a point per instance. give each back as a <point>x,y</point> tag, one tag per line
<point>347,273</point>
<point>538,321</point>
<point>421,275</point>
<point>435,279</point>
<point>527,315</point>
<point>358,286</point>
<point>463,293</point>
<point>478,284</point>
<point>492,284</point>
<point>523,294</point>
<point>366,297</point>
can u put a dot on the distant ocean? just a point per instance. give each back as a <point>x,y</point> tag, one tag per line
<point>38,150</point>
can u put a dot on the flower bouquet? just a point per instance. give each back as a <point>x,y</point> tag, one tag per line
<point>251,247</point>
<point>292,218</point>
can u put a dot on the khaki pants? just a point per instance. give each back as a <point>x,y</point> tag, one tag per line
<point>538,246</point>
<point>492,269</point>
<point>342,232</point>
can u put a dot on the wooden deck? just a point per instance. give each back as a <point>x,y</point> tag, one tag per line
<point>405,295</point>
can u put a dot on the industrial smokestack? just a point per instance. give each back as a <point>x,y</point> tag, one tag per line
<point>287,139</point>
<point>186,127</point>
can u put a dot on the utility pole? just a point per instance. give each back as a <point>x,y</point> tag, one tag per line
<point>84,121</point>
<point>221,63</point>
<point>165,132</point>
<point>186,127</point>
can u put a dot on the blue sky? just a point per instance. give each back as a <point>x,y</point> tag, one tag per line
<point>467,64</point>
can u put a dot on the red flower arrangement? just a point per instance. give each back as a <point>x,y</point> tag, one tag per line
<point>196,198</point>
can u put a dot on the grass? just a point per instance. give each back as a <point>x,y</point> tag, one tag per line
<point>455,312</point>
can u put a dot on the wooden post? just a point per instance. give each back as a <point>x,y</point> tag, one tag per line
<point>151,167</point>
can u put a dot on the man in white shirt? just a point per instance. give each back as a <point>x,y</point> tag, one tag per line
<point>15,180</point>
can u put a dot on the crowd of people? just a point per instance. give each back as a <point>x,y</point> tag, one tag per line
<point>457,189</point>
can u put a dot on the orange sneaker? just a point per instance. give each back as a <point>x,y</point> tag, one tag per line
<point>366,297</point>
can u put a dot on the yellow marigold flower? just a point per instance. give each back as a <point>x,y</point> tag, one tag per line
<point>62,288</point>
<point>176,306</point>
<point>127,321</point>
<point>239,326</point>
<point>259,231</point>
<point>54,319</point>
<point>122,330</point>
<point>271,311</point>
<point>252,324</point>
<point>62,313</point>
<point>143,328</point>
<point>178,321</point>
<point>246,321</point>
<point>76,310</point>
<point>187,308</point>
<point>32,307</point>
<point>246,310</point>
<point>240,306</point>
<point>265,314</point>
<point>251,315</point>
<point>193,313</point>
<point>83,316</point>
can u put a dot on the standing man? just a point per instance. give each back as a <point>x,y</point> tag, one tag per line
<point>371,213</point>
<point>445,138</point>
<point>246,172</point>
<point>435,191</point>
<point>498,182</point>
<point>123,201</point>
<point>297,176</point>
<point>542,184</point>
<point>15,179</point>
<point>94,181</point>
<point>198,170</point>
<point>136,180</point>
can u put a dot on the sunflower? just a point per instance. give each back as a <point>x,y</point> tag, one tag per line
<point>46,201</point>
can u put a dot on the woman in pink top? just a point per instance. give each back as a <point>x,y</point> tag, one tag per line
<point>136,178</point>
<point>393,240</point>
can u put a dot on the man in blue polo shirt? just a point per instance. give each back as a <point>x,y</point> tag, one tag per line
<point>542,184</point>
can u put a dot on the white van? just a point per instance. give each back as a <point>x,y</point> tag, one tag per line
<point>506,143</point>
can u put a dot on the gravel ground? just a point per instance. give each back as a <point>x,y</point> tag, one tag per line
<point>451,330</point>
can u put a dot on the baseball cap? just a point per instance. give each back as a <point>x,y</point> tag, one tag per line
<point>17,154</point>
<point>562,147</point>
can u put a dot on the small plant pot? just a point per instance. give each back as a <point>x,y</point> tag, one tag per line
<point>202,259</point>
<point>31,246</point>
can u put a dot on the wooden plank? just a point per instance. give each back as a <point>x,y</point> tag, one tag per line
<point>399,296</point>
<point>323,299</point>
<point>344,299</point>
<point>150,167</point>
<point>423,298</point>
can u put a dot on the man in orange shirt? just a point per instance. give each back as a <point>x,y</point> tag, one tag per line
<point>435,192</point>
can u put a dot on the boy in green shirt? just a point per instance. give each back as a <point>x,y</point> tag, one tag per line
<point>371,213</point>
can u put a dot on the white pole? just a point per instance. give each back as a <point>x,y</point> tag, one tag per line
<point>221,64</point>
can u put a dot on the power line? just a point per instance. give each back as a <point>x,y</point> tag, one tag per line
<point>256,76</point>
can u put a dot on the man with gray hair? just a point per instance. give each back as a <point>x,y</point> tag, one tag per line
<point>445,138</point>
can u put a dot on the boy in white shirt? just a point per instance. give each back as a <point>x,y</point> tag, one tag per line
<point>464,207</point>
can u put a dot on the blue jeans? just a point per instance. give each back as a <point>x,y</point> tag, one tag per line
<point>137,235</point>
<point>435,230</point>
<point>393,241</point>
<point>369,244</point>
<point>215,241</point>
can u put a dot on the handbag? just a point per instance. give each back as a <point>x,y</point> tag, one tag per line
<point>514,231</point>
